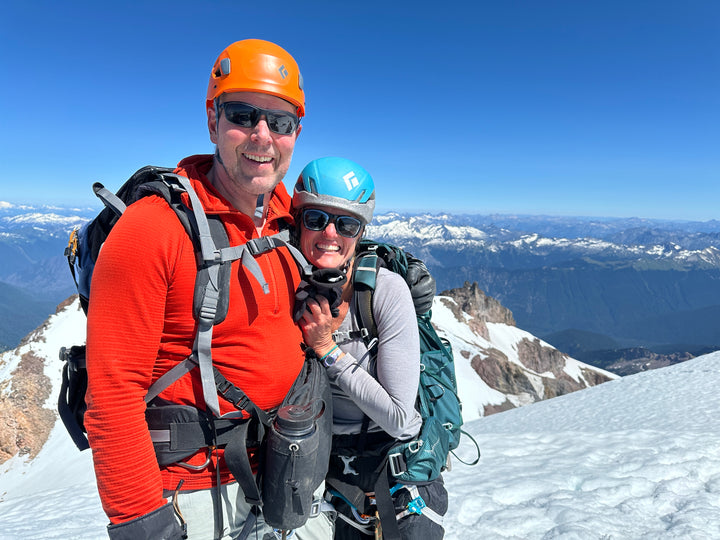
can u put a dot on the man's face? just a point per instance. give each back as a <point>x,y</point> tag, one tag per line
<point>255,158</point>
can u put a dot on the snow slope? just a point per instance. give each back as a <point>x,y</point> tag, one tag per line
<point>634,458</point>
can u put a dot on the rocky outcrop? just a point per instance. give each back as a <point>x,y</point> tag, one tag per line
<point>24,422</point>
<point>539,358</point>
<point>473,301</point>
<point>537,370</point>
<point>503,375</point>
<point>633,360</point>
<point>474,308</point>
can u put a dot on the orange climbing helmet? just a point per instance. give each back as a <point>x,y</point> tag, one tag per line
<point>255,65</point>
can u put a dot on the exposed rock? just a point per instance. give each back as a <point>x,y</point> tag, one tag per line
<point>492,409</point>
<point>502,375</point>
<point>65,303</point>
<point>536,372</point>
<point>560,386</point>
<point>633,360</point>
<point>481,309</point>
<point>473,301</point>
<point>541,359</point>
<point>24,424</point>
<point>593,377</point>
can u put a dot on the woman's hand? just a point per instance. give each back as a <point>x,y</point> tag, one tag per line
<point>316,325</point>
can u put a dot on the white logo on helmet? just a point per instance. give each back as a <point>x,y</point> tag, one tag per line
<point>351,180</point>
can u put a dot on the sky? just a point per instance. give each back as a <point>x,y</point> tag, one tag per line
<point>559,107</point>
<point>634,458</point>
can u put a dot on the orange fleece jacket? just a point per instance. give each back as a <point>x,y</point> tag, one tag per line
<point>140,324</point>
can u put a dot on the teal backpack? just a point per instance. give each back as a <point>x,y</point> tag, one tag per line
<point>424,458</point>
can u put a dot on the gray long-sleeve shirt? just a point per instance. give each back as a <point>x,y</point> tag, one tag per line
<point>389,398</point>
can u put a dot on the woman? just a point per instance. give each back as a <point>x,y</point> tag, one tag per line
<point>373,394</point>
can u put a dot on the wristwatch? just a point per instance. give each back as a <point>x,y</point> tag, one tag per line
<point>332,357</point>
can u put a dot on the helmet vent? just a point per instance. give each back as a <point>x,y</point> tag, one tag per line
<point>313,185</point>
<point>224,66</point>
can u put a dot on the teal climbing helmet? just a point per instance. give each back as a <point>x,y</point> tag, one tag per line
<point>336,183</point>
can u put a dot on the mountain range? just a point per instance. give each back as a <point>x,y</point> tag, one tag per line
<point>588,283</point>
<point>34,275</point>
<point>633,292</point>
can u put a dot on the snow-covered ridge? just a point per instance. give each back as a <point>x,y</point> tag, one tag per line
<point>439,231</point>
<point>629,239</point>
<point>503,342</point>
<point>29,223</point>
<point>40,219</point>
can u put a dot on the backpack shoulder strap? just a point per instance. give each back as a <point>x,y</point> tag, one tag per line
<point>371,257</point>
<point>364,282</point>
<point>364,279</point>
<point>211,296</point>
<point>211,284</point>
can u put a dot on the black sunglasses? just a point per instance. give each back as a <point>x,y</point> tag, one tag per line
<point>246,115</point>
<point>317,220</point>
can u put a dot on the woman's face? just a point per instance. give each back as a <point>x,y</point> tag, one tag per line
<point>326,248</point>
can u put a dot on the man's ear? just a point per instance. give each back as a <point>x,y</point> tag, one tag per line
<point>212,124</point>
<point>298,130</point>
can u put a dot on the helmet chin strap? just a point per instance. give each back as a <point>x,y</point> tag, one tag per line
<point>219,159</point>
<point>259,207</point>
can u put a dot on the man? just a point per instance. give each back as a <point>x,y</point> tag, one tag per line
<point>141,324</point>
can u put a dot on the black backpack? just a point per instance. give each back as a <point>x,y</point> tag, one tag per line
<point>179,431</point>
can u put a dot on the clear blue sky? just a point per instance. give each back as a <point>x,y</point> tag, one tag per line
<point>563,107</point>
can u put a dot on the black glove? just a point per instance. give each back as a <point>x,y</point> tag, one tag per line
<point>160,524</point>
<point>422,285</point>
<point>327,282</point>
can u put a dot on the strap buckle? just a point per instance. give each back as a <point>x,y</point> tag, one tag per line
<point>397,464</point>
<point>316,507</point>
<point>223,386</point>
<point>232,394</point>
<point>416,505</point>
<point>259,245</point>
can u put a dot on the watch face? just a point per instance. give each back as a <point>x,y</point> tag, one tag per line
<point>332,358</point>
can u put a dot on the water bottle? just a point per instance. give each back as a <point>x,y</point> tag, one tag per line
<point>290,474</point>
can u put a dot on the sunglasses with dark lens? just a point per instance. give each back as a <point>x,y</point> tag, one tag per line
<point>317,220</point>
<point>246,115</point>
